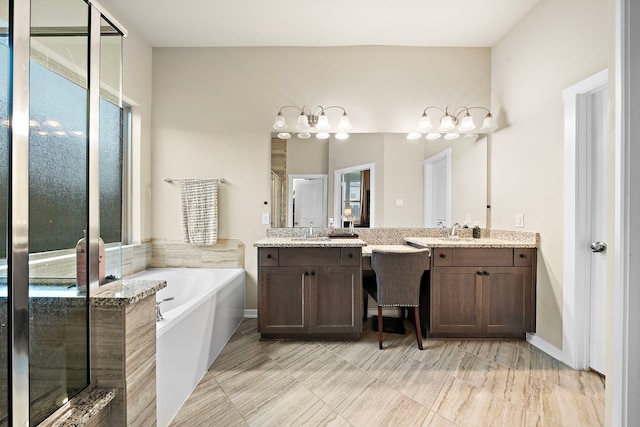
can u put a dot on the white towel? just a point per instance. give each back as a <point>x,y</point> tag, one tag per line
<point>199,207</point>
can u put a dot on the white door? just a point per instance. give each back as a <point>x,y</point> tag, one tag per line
<point>308,202</point>
<point>437,190</point>
<point>598,206</point>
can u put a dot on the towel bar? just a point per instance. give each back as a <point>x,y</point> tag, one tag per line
<point>170,180</point>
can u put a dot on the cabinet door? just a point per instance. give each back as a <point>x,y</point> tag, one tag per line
<point>336,294</point>
<point>281,300</point>
<point>506,293</point>
<point>456,301</point>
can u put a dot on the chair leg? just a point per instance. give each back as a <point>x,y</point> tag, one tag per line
<point>380,327</point>
<point>418,332</point>
<point>365,304</point>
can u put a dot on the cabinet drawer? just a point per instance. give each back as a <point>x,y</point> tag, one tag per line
<point>268,257</point>
<point>523,257</point>
<point>486,257</point>
<point>350,256</point>
<point>293,257</point>
<point>442,257</point>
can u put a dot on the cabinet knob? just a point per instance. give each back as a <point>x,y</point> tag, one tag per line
<point>306,273</point>
<point>486,273</point>
<point>313,273</point>
<point>479,273</point>
<point>443,256</point>
<point>268,255</point>
<point>523,255</point>
<point>350,255</point>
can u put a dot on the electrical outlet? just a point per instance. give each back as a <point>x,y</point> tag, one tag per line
<point>519,220</point>
<point>399,202</point>
<point>265,218</point>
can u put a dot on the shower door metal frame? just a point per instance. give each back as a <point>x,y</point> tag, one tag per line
<point>18,212</point>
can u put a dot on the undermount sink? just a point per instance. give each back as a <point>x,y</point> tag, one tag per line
<point>310,239</point>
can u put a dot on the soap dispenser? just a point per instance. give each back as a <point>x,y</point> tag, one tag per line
<point>476,230</point>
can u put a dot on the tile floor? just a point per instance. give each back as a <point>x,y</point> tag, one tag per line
<point>449,383</point>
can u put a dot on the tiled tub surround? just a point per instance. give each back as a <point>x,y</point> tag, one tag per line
<point>123,351</point>
<point>226,253</point>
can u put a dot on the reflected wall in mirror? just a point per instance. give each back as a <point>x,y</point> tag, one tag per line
<point>399,183</point>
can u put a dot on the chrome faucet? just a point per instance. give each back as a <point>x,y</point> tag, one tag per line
<point>311,229</point>
<point>158,313</point>
<point>454,231</point>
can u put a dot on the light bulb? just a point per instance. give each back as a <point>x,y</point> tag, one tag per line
<point>342,135</point>
<point>425,123</point>
<point>467,124</point>
<point>304,135</point>
<point>451,135</point>
<point>446,124</point>
<point>489,124</point>
<point>414,135</point>
<point>322,135</point>
<point>345,123</point>
<point>280,123</point>
<point>323,122</point>
<point>433,135</point>
<point>284,135</point>
<point>303,122</point>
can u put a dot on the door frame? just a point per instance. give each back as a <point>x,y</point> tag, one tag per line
<point>624,380</point>
<point>290,179</point>
<point>427,217</point>
<point>576,301</point>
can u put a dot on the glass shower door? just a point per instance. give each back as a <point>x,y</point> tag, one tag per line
<point>58,204</point>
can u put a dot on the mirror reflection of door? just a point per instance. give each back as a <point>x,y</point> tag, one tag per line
<point>437,190</point>
<point>354,195</point>
<point>307,200</point>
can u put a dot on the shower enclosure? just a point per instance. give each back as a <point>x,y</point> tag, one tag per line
<point>61,151</point>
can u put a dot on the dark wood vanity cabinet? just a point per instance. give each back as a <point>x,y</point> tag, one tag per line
<point>309,292</point>
<point>482,292</point>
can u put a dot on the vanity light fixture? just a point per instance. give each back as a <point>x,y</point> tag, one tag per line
<point>312,121</point>
<point>452,124</point>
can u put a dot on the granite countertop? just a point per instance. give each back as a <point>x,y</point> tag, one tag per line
<point>126,292</point>
<point>314,242</point>
<point>366,251</point>
<point>484,242</point>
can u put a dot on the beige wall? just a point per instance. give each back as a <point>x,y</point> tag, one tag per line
<point>556,45</point>
<point>213,109</point>
<point>136,89</point>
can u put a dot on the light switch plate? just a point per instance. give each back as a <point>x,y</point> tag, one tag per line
<point>399,202</point>
<point>519,220</point>
<point>265,218</point>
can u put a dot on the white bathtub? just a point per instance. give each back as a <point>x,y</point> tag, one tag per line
<point>207,308</point>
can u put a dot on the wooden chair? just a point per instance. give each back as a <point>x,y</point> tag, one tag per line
<point>398,275</point>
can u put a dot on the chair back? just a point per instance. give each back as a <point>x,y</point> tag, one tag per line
<point>398,276</point>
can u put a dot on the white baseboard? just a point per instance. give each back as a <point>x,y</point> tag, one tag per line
<point>542,345</point>
<point>251,313</point>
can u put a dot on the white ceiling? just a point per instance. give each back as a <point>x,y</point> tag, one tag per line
<point>170,23</point>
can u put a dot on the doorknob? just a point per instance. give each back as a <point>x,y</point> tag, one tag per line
<point>598,247</point>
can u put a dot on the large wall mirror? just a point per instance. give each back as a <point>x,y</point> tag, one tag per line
<point>381,180</point>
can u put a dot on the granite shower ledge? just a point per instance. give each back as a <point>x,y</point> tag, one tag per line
<point>126,292</point>
<point>83,408</point>
<point>294,242</point>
